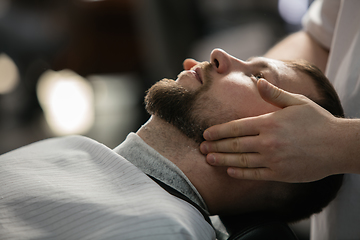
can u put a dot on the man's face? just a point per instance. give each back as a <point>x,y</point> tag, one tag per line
<point>220,91</point>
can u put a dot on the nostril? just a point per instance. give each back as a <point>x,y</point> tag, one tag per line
<point>216,63</point>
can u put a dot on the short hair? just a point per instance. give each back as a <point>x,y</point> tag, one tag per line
<point>328,96</point>
<point>297,201</point>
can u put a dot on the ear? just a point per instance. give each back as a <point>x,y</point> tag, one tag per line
<point>189,63</point>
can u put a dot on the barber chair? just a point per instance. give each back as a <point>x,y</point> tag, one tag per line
<point>256,227</point>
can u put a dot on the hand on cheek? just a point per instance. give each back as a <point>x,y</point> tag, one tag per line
<point>279,146</point>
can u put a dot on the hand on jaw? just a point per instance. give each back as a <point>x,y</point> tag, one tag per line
<point>301,142</point>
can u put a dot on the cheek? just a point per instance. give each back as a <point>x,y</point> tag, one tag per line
<point>243,100</point>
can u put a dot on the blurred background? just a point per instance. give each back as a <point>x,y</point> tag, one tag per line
<point>82,66</point>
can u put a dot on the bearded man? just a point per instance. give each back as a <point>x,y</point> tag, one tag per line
<point>157,184</point>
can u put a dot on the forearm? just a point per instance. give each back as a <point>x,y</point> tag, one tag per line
<point>300,45</point>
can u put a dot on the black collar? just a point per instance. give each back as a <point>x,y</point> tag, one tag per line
<point>178,194</point>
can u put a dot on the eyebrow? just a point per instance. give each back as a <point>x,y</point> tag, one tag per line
<point>264,65</point>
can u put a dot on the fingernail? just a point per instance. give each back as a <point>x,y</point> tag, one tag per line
<point>231,171</point>
<point>211,159</point>
<point>204,148</point>
<point>207,135</point>
<point>264,84</point>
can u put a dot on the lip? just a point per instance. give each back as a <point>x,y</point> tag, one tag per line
<point>197,72</point>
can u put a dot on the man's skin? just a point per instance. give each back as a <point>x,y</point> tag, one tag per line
<point>299,143</point>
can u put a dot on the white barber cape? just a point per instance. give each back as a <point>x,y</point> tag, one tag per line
<point>76,188</point>
<point>336,25</point>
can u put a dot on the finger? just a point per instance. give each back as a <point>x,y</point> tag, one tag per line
<point>230,145</point>
<point>236,128</point>
<point>277,96</point>
<point>189,63</point>
<point>241,160</point>
<point>251,173</point>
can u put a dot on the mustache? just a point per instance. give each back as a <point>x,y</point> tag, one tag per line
<point>206,69</point>
<point>205,66</point>
<point>206,77</point>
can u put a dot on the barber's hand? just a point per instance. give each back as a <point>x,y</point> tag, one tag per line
<point>294,144</point>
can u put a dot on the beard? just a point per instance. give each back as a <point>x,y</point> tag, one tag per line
<point>178,106</point>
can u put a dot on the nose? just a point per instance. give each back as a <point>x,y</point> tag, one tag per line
<point>224,62</point>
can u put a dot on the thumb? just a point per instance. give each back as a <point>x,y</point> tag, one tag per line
<point>277,96</point>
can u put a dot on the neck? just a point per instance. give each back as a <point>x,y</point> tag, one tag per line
<point>185,154</point>
<point>169,141</point>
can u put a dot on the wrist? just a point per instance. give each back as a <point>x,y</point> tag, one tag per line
<point>347,136</point>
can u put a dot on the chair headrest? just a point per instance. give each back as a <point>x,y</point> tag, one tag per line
<point>255,227</point>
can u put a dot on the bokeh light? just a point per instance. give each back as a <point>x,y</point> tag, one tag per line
<point>9,77</point>
<point>292,11</point>
<point>67,101</point>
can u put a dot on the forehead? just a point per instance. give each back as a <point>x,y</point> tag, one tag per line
<point>280,74</point>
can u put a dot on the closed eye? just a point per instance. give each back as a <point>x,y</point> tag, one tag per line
<point>257,76</point>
